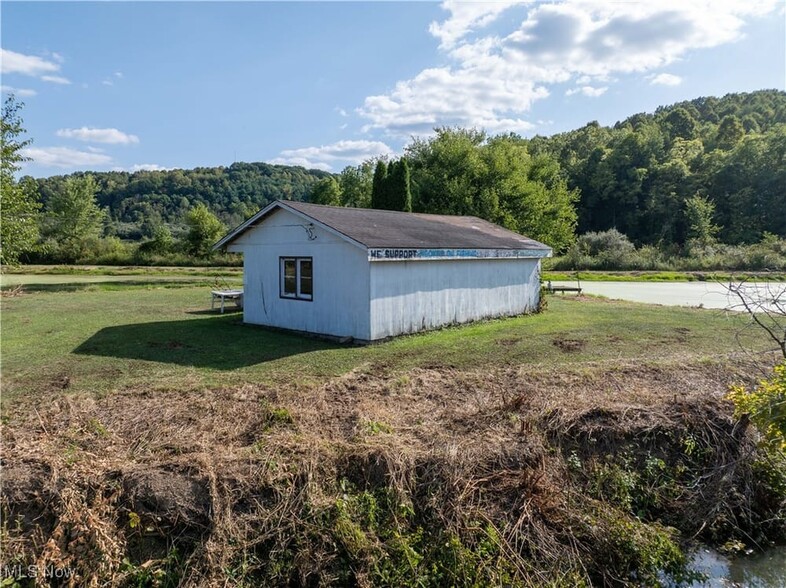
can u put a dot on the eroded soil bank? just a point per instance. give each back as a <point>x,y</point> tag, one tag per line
<point>591,476</point>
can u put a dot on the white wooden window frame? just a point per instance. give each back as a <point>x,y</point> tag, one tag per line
<point>298,294</point>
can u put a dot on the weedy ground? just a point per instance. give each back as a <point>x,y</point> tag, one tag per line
<point>147,442</point>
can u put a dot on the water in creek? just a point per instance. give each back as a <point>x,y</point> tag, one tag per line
<point>761,570</point>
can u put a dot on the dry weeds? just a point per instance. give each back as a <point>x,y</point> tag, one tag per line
<point>89,481</point>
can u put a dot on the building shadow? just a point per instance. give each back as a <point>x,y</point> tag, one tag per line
<point>220,342</point>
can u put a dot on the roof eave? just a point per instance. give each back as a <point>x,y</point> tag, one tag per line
<point>241,228</point>
<point>250,223</point>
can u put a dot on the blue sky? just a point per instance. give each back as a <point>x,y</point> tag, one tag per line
<point>148,85</point>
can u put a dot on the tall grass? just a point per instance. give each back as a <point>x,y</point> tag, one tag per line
<point>611,250</point>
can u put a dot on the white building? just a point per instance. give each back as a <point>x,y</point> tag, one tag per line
<point>370,274</point>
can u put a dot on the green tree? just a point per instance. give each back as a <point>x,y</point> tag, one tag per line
<point>460,172</point>
<point>529,192</point>
<point>204,229</point>
<point>399,193</point>
<point>448,173</point>
<point>160,243</point>
<point>378,185</point>
<point>730,132</point>
<point>327,191</point>
<point>72,219</point>
<point>699,214</point>
<point>355,183</point>
<point>681,124</point>
<point>18,200</point>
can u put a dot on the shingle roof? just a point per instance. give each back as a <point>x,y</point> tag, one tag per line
<point>391,229</point>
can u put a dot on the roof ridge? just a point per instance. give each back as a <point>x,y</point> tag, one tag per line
<point>382,210</point>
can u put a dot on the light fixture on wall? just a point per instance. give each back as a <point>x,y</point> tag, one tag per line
<point>310,231</point>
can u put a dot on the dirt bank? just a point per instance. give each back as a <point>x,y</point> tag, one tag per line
<point>514,477</point>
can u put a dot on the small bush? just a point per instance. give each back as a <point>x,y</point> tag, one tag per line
<point>611,250</point>
<point>766,407</point>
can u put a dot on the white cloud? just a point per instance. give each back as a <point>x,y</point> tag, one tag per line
<point>65,157</point>
<point>107,83</point>
<point>665,79</point>
<point>587,91</point>
<point>112,136</point>
<point>474,96</point>
<point>149,167</point>
<point>341,153</point>
<point>466,17</point>
<point>18,92</point>
<point>30,65</point>
<point>301,161</point>
<point>118,74</point>
<point>56,79</point>
<point>341,111</point>
<point>491,79</point>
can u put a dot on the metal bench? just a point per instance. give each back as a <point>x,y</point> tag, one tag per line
<point>551,289</point>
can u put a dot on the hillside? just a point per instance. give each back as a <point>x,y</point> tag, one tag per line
<point>138,201</point>
<point>636,175</point>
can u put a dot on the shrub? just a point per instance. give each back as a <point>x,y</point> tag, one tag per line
<point>766,407</point>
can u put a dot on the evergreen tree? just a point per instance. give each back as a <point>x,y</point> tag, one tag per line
<point>378,185</point>
<point>405,188</point>
<point>399,195</point>
<point>389,190</point>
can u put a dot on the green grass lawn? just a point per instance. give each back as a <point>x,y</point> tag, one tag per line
<point>104,340</point>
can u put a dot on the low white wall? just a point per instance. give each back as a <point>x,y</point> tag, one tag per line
<point>410,296</point>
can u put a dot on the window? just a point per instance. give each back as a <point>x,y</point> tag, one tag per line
<point>296,278</point>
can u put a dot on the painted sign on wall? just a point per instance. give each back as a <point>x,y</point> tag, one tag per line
<point>391,254</point>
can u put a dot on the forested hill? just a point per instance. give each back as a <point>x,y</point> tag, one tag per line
<point>636,175</point>
<point>138,202</point>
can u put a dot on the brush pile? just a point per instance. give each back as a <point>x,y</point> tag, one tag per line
<point>436,477</point>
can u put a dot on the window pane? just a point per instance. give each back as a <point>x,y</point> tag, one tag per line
<point>305,278</point>
<point>290,283</point>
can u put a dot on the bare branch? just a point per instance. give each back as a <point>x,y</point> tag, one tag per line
<point>765,304</point>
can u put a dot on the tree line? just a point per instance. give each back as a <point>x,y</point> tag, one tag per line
<point>680,179</point>
<point>465,172</point>
<point>639,175</point>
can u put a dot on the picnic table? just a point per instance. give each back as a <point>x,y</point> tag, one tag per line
<point>235,296</point>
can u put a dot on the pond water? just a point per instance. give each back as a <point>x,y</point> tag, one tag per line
<point>762,570</point>
<point>699,294</point>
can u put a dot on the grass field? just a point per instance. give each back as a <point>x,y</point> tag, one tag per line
<point>100,340</point>
<point>154,441</point>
